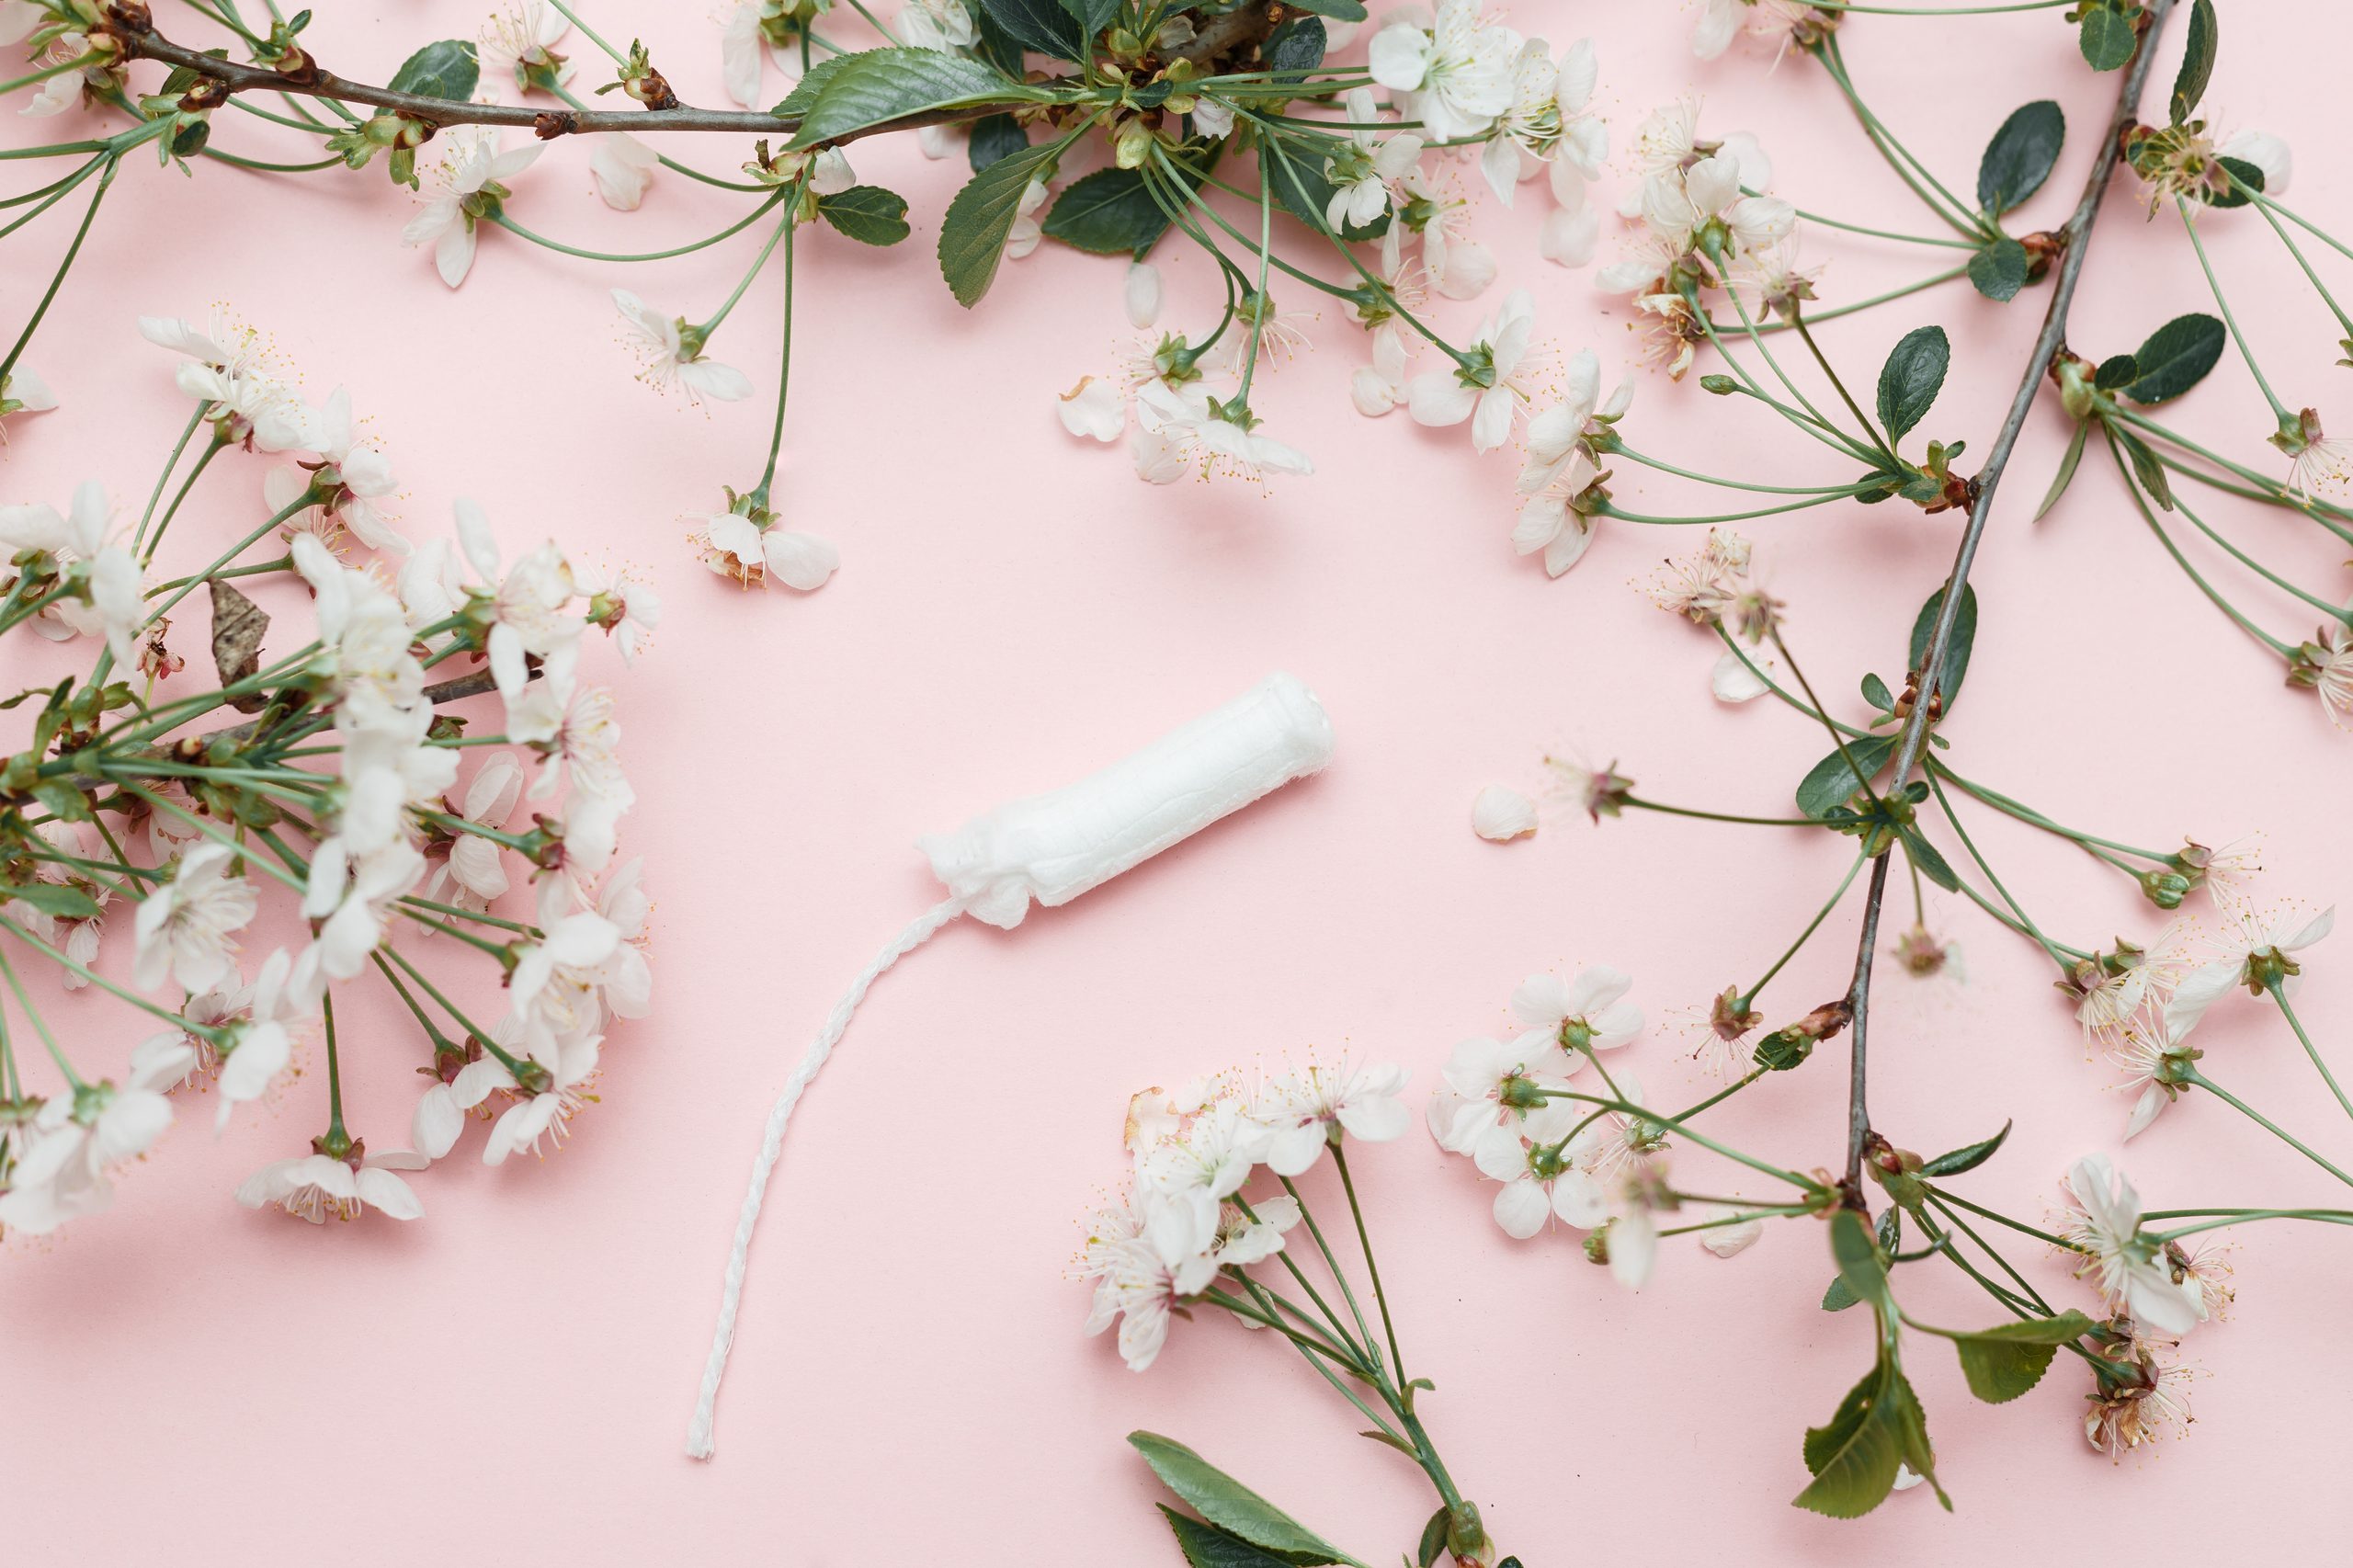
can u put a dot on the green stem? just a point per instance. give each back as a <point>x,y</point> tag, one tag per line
<point>1749,997</point>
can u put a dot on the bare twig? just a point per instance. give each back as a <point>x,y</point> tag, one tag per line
<point>2074,239</point>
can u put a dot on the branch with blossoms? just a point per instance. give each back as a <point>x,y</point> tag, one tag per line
<point>335,809</point>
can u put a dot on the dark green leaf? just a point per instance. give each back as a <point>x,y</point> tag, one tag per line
<point>1295,165</point>
<point>2066,474</point>
<point>1967,1158</point>
<point>53,899</point>
<point>1092,16</point>
<point>867,213</point>
<point>2018,159</point>
<point>813,84</point>
<point>1910,379</point>
<point>1206,1546</point>
<point>996,46</point>
<point>1854,1456</point>
<point>1875,692</point>
<point>1434,1538</point>
<point>1912,1431</point>
<point>2116,371</point>
<point>1998,271</point>
<point>1838,1299</point>
<point>1832,782</point>
<point>2175,357</point>
<point>1932,863</point>
<point>1860,1268</point>
<point>446,69</point>
<point>1109,212</point>
<point>1226,1503</point>
<point>878,84</point>
<point>2197,60</point>
<point>2003,1362</point>
<point>2248,175</point>
<point>971,235</point>
<point>2106,39</point>
<point>1956,648</point>
<point>2147,468</point>
<point>1338,10</point>
<point>1298,45</point>
<point>996,136</point>
<point>1040,25</point>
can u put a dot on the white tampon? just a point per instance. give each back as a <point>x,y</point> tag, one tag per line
<point>1051,849</point>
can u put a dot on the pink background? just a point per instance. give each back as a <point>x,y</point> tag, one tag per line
<point>509,1379</point>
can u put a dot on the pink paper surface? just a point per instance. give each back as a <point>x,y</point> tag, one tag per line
<point>509,1380</point>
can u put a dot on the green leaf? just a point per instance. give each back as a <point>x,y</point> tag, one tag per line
<point>2020,157</point>
<point>1912,1431</point>
<point>1206,1546</point>
<point>2197,60</point>
<point>996,136</point>
<point>2116,371</point>
<point>53,899</point>
<point>2106,39</point>
<point>1338,10</point>
<point>1910,379</point>
<point>2066,474</point>
<point>1294,164</point>
<point>1875,692</point>
<point>2147,468</point>
<point>2175,357</point>
<point>971,235</point>
<point>1998,271</point>
<point>1225,1502</point>
<point>1838,1299</point>
<point>1967,1158</point>
<point>1957,649</point>
<point>1925,856</point>
<point>1039,25</point>
<point>446,69</point>
<point>1092,16</point>
<point>1297,46</point>
<point>813,83</point>
<point>878,84</point>
<point>1854,1455</point>
<point>867,213</point>
<point>996,46</point>
<point>1832,782</point>
<point>2247,173</point>
<point>1433,1544</point>
<point>2003,1362</point>
<point>1109,212</point>
<point>1860,1268</point>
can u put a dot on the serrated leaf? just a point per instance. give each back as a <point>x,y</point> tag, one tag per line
<point>971,234</point>
<point>2020,156</point>
<point>1912,1431</point>
<point>2147,468</point>
<point>2197,60</point>
<point>447,68</point>
<point>2066,474</point>
<point>2175,357</point>
<point>1957,647</point>
<point>995,136</point>
<point>2003,1362</point>
<point>1109,212</point>
<point>1909,382</point>
<point>2116,371</point>
<point>1226,1503</point>
<point>1998,270</point>
<point>879,84</point>
<point>1832,781</point>
<point>1206,1546</point>
<point>1854,1456</point>
<point>813,83</point>
<point>1295,166</point>
<point>52,899</point>
<point>2107,39</point>
<point>1039,25</point>
<point>1297,46</point>
<point>1968,1157</point>
<point>867,213</point>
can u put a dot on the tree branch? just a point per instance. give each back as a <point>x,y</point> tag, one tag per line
<point>2076,242</point>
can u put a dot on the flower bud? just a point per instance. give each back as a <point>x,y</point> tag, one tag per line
<point>1722,385</point>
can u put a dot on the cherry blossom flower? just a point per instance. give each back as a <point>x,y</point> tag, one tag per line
<point>737,546</point>
<point>1540,1183</point>
<point>1582,1015</point>
<point>1491,1083</point>
<point>1303,1113</point>
<point>1458,71</point>
<point>2254,953</point>
<point>22,390</point>
<point>1146,1258</point>
<point>526,607</point>
<point>2142,1406</point>
<point>64,1168</point>
<point>562,1070</point>
<point>2315,462</point>
<point>186,928</point>
<point>517,45</point>
<point>2127,1267</point>
<point>2326,665</point>
<point>670,355</point>
<point>1190,430</point>
<point>110,600</point>
<point>1366,165</point>
<point>1488,391</point>
<point>1707,194</point>
<point>472,189</point>
<point>316,1187</point>
<point>261,1041</point>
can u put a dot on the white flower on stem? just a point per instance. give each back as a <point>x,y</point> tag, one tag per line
<point>1500,814</point>
<point>670,354</point>
<point>1582,1015</point>
<point>1364,165</point>
<point>186,928</point>
<point>361,474</point>
<point>63,91</point>
<point>624,605</point>
<point>621,168</point>
<point>1491,1083</point>
<point>937,23</point>
<point>1541,1183</point>
<point>1093,410</point>
<point>22,390</point>
<point>1706,201</point>
<point>518,43</point>
<point>553,990</point>
<point>1533,129</point>
<point>476,869</point>
<point>1299,1114</point>
<point>317,1186</point>
<point>1562,479</point>
<point>1458,266</point>
<point>2254,953</point>
<point>1147,1258</point>
<point>111,600</point>
<point>743,41</point>
<point>623,981</point>
<point>472,189</point>
<point>1207,1158</point>
<point>352,897</point>
<point>559,1072</point>
<point>1460,71</point>
<point>2110,989</point>
<point>65,1159</point>
<point>261,1043</point>
<point>735,546</point>
<point>1500,375</point>
<point>2152,1051</point>
<point>2315,462</point>
<point>76,936</point>
<point>1199,434</point>
<point>2227,871</point>
<point>1619,1146</point>
<point>1377,388</point>
<point>580,737</point>
<point>1140,295</point>
<point>2326,665</point>
<point>1245,1239</point>
<point>2127,1267</point>
<point>526,608</point>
